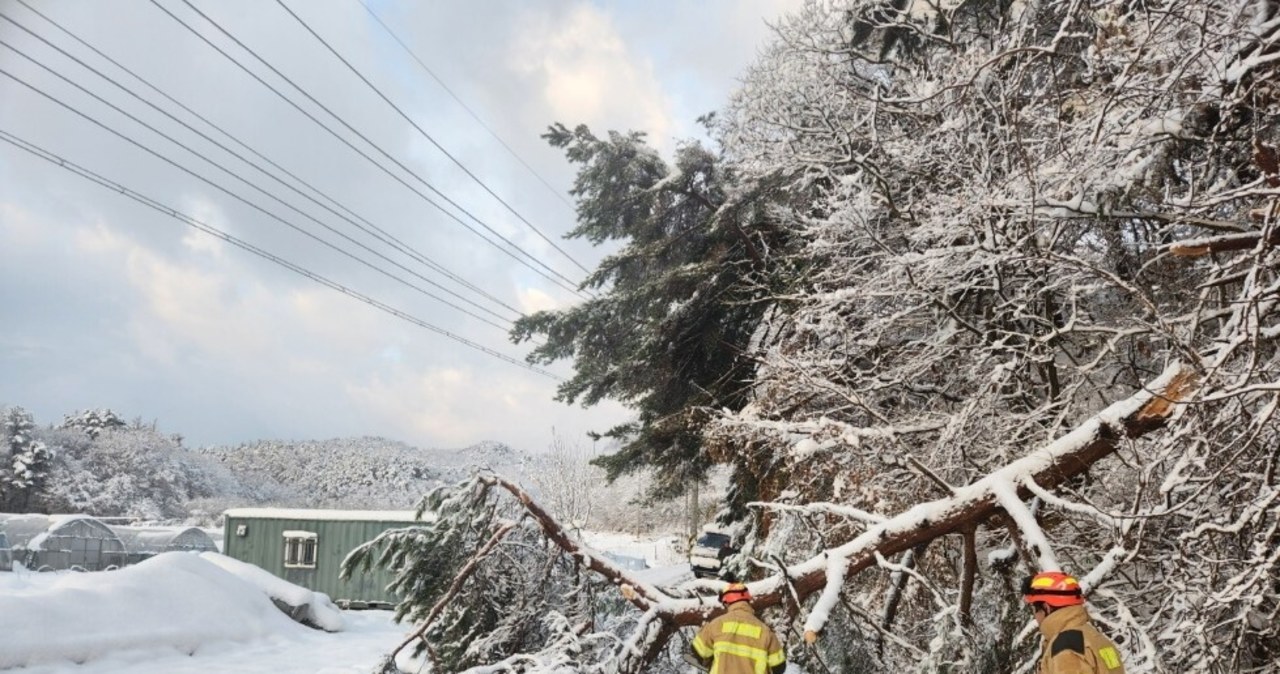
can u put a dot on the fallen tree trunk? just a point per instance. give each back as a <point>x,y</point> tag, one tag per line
<point>1049,466</point>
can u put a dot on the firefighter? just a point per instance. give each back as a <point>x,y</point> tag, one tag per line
<point>1072,645</point>
<point>737,642</point>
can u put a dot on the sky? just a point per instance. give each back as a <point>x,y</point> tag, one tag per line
<point>108,303</point>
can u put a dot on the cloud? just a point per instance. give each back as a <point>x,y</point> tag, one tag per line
<point>18,226</point>
<point>533,300</point>
<point>457,405</point>
<point>431,403</point>
<point>108,303</point>
<point>308,352</point>
<point>176,303</point>
<point>588,74</point>
<point>204,210</point>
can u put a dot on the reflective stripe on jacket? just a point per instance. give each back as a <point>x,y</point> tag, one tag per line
<point>739,643</point>
<point>1073,646</point>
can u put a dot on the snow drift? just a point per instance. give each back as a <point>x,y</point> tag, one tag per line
<point>311,608</point>
<point>174,600</point>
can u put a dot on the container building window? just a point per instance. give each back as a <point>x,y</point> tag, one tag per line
<point>300,549</point>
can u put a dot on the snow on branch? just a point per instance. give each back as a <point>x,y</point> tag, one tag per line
<point>821,509</point>
<point>1145,411</point>
<point>1007,496</point>
<point>638,592</point>
<point>467,570</point>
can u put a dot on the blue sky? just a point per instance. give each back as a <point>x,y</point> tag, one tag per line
<point>105,303</point>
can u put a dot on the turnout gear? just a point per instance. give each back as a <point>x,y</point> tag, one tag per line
<point>738,642</point>
<point>1054,588</point>
<point>1073,646</point>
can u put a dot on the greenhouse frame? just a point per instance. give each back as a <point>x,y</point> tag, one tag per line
<point>60,542</point>
<point>142,543</point>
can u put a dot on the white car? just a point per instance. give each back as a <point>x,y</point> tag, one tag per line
<point>708,553</point>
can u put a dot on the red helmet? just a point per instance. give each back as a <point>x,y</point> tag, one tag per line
<point>1054,588</point>
<point>734,592</point>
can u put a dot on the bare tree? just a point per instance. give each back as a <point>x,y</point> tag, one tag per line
<point>569,485</point>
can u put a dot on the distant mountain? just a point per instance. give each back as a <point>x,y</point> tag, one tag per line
<point>106,467</point>
<point>458,464</point>
<point>366,472</point>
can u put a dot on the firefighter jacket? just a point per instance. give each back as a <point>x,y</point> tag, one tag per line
<point>1073,646</point>
<point>739,643</point>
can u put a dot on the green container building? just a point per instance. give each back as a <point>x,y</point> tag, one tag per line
<point>306,547</point>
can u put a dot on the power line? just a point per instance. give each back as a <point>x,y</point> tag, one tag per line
<point>565,283</point>
<point>408,250</point>
<point>244,245</point>
<point>466,107</point>
<point>377,233</point>
<point>233,195</point>
<point>429,137</point>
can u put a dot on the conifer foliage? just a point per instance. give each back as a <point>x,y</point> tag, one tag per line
<point>672,313</point>
<point>25,463</point>
<point>484,582</point>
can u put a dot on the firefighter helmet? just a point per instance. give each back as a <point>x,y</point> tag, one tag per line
<point>1054,588</point>
<point>734,592</point>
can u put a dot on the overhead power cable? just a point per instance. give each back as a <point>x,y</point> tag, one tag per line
<point>429,137</point>
<point>235,196</point>
<point>562,281</point>
<point>558,194</point>
<point>244,245</point>
<point>377,233</point>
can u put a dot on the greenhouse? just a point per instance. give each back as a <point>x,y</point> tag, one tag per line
<point>57,542</point>
<point>145,542</point>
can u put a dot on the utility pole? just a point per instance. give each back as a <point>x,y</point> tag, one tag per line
<point>692,499</point>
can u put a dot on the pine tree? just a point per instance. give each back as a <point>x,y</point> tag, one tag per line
<point>27,462</point>
<point>93,422</point>
<point>481,582</point>
<point>672,312</point>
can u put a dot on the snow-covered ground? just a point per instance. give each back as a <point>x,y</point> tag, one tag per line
<point>181,612</point>
<point>666,566</point>
<point>370,635</point>
<point>176,612</point>
<point>654,551</point>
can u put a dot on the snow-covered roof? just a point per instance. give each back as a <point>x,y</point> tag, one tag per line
<point>316,515</point>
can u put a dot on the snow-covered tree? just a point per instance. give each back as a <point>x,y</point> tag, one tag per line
<point>485,583</point>
<point>1015,195</point>
<point>1026,317</point>
<point>138,472</point>
<point>93,422</point>
<point>667,331</point>
<point>26,464</point>
<point>366,472</point>
<point>567,482</point>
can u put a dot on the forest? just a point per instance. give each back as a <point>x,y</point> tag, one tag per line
<point>96,462</point>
